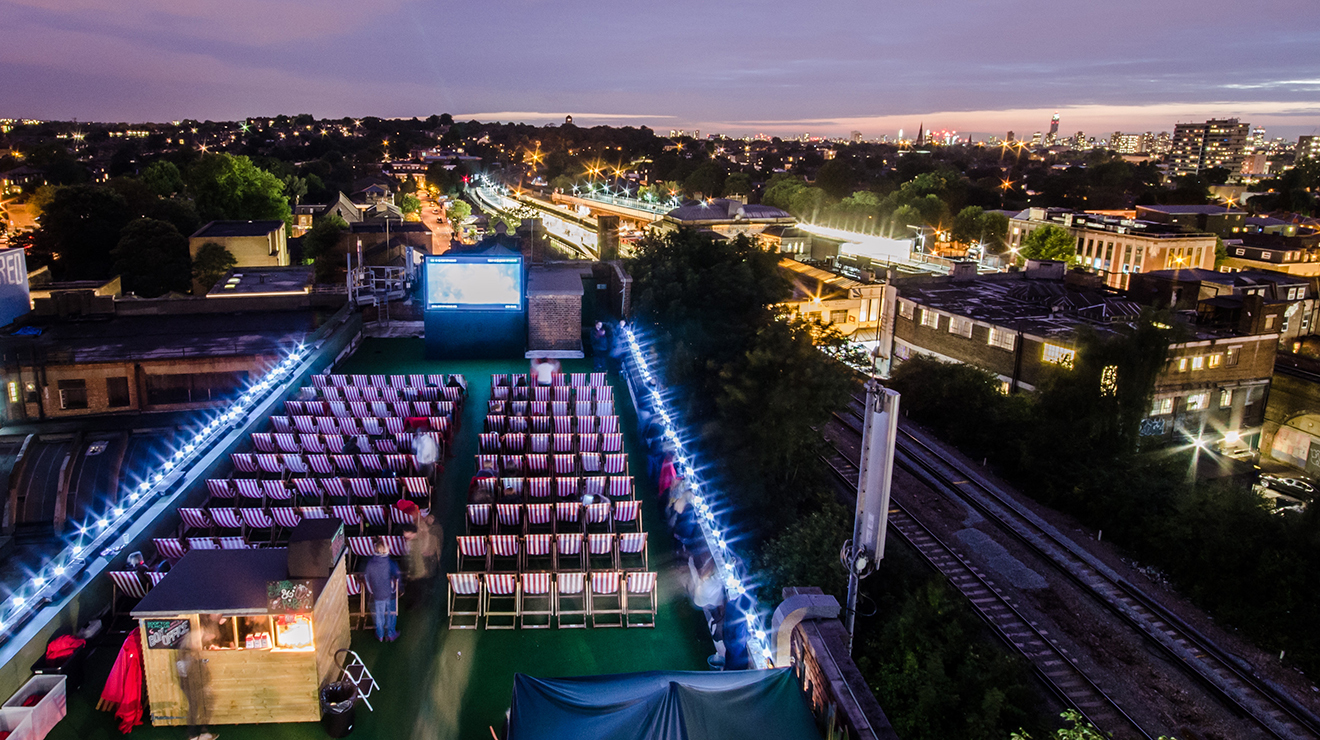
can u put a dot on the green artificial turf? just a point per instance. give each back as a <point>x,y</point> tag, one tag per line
<point>438,683</point>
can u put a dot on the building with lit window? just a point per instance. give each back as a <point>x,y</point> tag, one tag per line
<point>1201,146</point>
<point>1308,147</point>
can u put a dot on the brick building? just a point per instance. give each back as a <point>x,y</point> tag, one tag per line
<point>847,304</point>
<point>253,243</point>
<point>554,311</point>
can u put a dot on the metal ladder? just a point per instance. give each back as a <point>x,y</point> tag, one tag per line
<point>356,672</point>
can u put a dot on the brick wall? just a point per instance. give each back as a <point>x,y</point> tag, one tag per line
<point>554,322</point>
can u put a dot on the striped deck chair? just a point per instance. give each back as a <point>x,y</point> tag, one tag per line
<point>465,600</point>
<point>540,518</point>
<point>593,486</point>
<point>632,551</point>
<point>356,615</point>
<point>294,409</point>
<point>517,408</point>
<point>540,394</point>
<point>397,427</point>
<point>443,408</point>
<point>349,515</point>
<point>263,442</point>
<point>340,380</point>
<point>195,519</point>
<point>571,599</point>
<point>400,517</point>
<point>371,426</point>
<point>559,408</point>
<point>360,381</point>
<point>286,442</point>
<point>488,485</point>
<point>565,443</point>
<point>244,462</point>
<point>287,517</point>
<point>423,408</point>
<point>309,424</point>
<point>611,442</point>
<point>398,381</point>
<point>380,381</point>
<point>334,489</point>
<point>473,548</point>
<point>565,465</point>
<point>380,409</point>
<point>588,442</point>
<point>537,465</point>
<point>591,463</point>
<point>609,425</point>
<point>345,464</point>
<point>518,424</point>
<point>321,381</point>
<point>275,490</point>
<point>514,464</point>
<point>536,601</point>
<point>601,553</point>
<point>436,380</point>
<point>586,424</point>
<point>604,408</point>
<point>452,394</point>
<point>339,409</point>
<point>249,488</point>
<point>620,487</point>
<point>539,443</point>
<point>417,381</point>
<point>363,547</point>
<point>499,379</point>
<point>220,488</point>
<point>564,425</point>
<point>270,464</point>
<point>398,411</point>
<point>309,488</point>
<point>561,393</point>
<point>539,488</point>
<point>387,488</point>
<point>639,600</point>
<point>416,488</point>
<point>489,443</point>
<point>375,515</point>
<point>567,487</point>
<point>226,518</point>
<point>256,518</point>
<point>514,442</point>
<point>509,518</point>
<point>295,464</point>
<point>606,599</point>
<point>538,552</point>
<point>540,424</point>
<point>458,380</point>
<point>568,516</point>
<point>501,601</point>
<point>604,393</point>
<point>598,379</point>
<point>500,393</point>
<point>505,550</point>
<point>321,465</point>
<point>315,512</point>
<point>497,423</point>
<point>352,427</point>
<point>311,443</point>
<point>519,393</point>
<point>170,548</point>
<point>429,394</point>
<point>537,407</point>
<point>559,379</point>
<point>478,519</point>
<point>401,464</point>
<point>627,515</point>
<point>126,582</point>
<point>326,425</point>
<point>282,424</point>
<point>597,515</point>
<point>202,543</point>
<point>578,380</point>
<point>616,463</point>
<point>496,407</point>
<point>362,489</point>
<point>583,408</point>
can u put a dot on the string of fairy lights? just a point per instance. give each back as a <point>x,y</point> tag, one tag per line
<point>713,529</point>
<point>95,537</point>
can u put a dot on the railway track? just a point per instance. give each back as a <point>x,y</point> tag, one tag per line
<point>1221,672</point>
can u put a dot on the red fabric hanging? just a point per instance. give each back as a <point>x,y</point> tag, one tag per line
<point>667,475</point>
<point>123,689</point>
<point>62,647</point>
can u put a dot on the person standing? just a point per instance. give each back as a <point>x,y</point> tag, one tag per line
<point>195,681</point>
<point>427,452</point>
<point>381,577</point>
<point>543,371</point>
<point>600,348</point>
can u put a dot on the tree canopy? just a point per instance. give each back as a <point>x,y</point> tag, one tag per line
<point>224,186</point>
<point>320,243</point>
<point>81,224</point>
<point>152,257</point>
<point>211,263</point>
<point>1049,242</point>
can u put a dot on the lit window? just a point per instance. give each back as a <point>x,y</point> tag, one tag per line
<point>1225,398</point>
<point>13,391</point>
<point>930,318</point>
<point>1109,380</point>
<point>1059,355</point>
<point>1162,406</point>
<point>905,309</point>
<point>959,325</point>
<point>1198,401</point>
<point>1001,338</point>
<point>1232,356</point>
<point>1182,364</point>
<point>1269,321</point>
<point>1198,362</point>
<point>1264,255</point>
<point>1215,361</point>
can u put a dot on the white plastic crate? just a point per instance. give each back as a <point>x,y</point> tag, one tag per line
<point>49,710</point>
<point>17,721</point>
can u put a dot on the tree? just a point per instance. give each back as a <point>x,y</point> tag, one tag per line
<point>152,258</point>
<point>738,183</point>
<point>408,203</point>
<point>162,177</point>
<point>211,263</point>
<point>837,177</point>
<point>458,211</point>
<point>227,187</point>
<point>706,180</point>
<point>38,201</point>
<point>295,188</point>
<point>1049,242</point>
<point>974,226</point>
<point>320,246</point>
<point>81,225</point>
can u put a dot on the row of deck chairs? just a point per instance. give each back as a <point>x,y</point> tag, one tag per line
<point>503,423</point>
<point>567,551</point>
<point>517,443</point>
<point>565,516</point>
<point>368,409</point>
<point>556,393</point>
<point>390,381</point>
<point>388,395</point>
<point>320,491</point>
<point>556,465</point>
<point>575,380</point>
<point>564,486</point>
<point>254,521</point>
<point>551,408</point>
<point>542,600</point>
<point>284,464</point>
<point>318,443</point>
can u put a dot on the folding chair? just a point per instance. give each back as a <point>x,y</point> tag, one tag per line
<point>356,616</point>
<point>287,517</point>
<point>276,490</point>
<point>606,598</point>
<point>270,463</point>
<point>567,488</point>
<point>478,519</point>
<point>564,423</point>
<point>568,552</point>
<point>541,547</point>
<point>568,516</point>
<point>627,516</point>
<point>537,465</point>
<point>512,486</point>
<point>513,465</point>
<point>620,487</point>
<point>540,518</point>
<point>473,548</point>
<point>505,552</point>
<point>348,514</point>
<point>309,488</point>
<point>588,442</point>
<point>244,462</point>
<point>295,464</point>
<point>571,599</point>
<point>371,464</point>
<point>514,442</point>
<point>263,442</point>
<point>315,512</point>
<point>170,548</point>
<point>195,519</point>
<point>616,464</point>
<point>558,409</point>
<point>597,516</point>
<point>536,600</point>
<point>468,587</point>
<point>233,543</point>
<point>489,443</point>
<point>287,442</point>
<point>579,380</point>
<point>591,463</point>
<point>539,443</point>
<point>227,518</point>
<point>601,554</point>
<point>362,489</point>
<point>539,488</point>
<point>376,517</point>
<point>586,425</point>
<point>397,544</point>
<point>220,488</point>
<point>202,543</point>
<point>416,488</point>
<point>565,465</point>
<point>502,600</point>
<point>257,520</point>
<point>611,443</point>
<point>509,518</point>
<point>593,486</point>
<point>639,585</point>
<point>281,424</point>
<point>632,544</point>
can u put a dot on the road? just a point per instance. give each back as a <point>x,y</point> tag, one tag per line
<point>442,232</point>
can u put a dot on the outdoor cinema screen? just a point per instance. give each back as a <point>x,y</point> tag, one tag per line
<point>474,282</point>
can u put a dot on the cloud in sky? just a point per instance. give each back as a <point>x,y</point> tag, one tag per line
<point>735,66</point>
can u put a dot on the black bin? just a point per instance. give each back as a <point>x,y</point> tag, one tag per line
<point>338,708</point>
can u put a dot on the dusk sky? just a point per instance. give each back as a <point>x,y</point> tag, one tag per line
<point>978,66</point>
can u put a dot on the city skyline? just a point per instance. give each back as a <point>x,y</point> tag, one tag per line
<point>833,70</point>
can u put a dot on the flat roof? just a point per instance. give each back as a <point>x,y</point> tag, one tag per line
<point>238,228</point>
<point>554,281</point>
<point>220,582</point>
<point>263,281</point>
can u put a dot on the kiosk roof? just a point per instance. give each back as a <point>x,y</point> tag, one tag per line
<point>219,582</point>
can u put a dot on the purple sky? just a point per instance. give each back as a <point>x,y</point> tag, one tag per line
<point>978,66</point>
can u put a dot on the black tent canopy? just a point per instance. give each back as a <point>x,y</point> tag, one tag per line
<point>662,705</point>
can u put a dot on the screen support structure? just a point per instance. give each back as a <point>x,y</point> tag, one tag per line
<point>874,476</point>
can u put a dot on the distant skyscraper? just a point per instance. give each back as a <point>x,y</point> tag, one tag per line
<point>1256,142</point>
<point>1037,138</point>
<point>1053,137</point>
<point>1308,147</point>
<point>921,133</point>
<point>855,136</point>
<point>1010,137</point>
<point>1127,143</point>
<point>1214,143</point>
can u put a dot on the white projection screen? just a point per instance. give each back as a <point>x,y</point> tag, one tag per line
<point>474,282</point>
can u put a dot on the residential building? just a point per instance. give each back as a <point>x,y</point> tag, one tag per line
<point>307,214</point>
<point>1115,246</point>
<point>1127,143</point>
<point>1295,255</point>
<point>1308,147</point>
<point>1215,143</point>
<point>1218,220</point>
<point>253,243</point>
<point>725,217</point>
<point>847,304</point>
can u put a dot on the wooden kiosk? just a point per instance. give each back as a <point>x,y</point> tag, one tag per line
<point>269,621</point>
